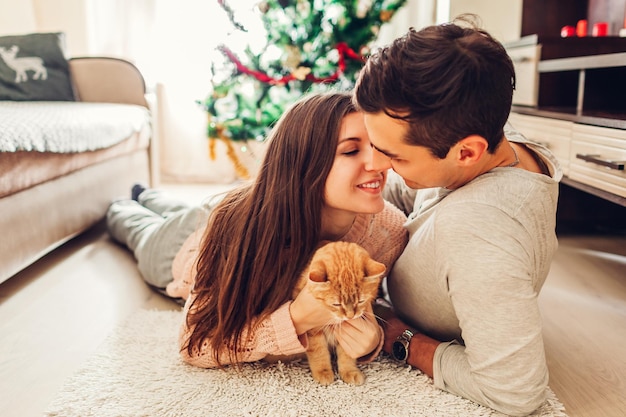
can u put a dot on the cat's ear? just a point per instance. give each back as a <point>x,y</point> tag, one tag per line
<point>317,271</point>
<point>374,269</point>
<point>317,276</point>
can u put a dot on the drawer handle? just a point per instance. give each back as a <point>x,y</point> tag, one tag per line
<point>594,159</point>
<point>521,59</point>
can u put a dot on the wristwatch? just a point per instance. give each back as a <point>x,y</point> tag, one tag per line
<point>400,347</point>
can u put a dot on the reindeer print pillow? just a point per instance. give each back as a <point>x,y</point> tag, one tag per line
<point>33,67</point>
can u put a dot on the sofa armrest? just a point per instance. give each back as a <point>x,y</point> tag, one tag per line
<point>107,80</point>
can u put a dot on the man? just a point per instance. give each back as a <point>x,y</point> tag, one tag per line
<point>482,206</point>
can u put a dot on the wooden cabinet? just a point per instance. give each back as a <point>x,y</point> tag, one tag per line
<point>597,157</point>
<point>547,17</point>
<point>593,158</point>
<point>525,58</point>
<point>571,92</point>
<point>554,134</point>
<point>588,136</point>
<point>571,75</point>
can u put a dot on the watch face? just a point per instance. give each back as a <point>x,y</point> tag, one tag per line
<point>398,350</point>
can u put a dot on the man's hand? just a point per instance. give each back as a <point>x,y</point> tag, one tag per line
<point>421,349</point>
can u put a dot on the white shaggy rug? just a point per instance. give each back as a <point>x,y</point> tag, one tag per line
<point>137,372</point>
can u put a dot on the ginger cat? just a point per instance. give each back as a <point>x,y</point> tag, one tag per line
<point>346,279</point>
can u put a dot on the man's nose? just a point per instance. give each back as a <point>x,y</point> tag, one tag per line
<point>379,161</point>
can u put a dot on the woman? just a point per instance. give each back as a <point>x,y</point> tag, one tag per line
<point>316,183</point>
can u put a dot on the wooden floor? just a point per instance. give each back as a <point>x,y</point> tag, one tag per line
<point>55,314</point>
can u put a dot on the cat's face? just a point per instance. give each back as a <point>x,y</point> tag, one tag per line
<point>345,278</point>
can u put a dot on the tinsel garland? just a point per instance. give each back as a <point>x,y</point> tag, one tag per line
<point>240,169</point>
<point>342,48</point>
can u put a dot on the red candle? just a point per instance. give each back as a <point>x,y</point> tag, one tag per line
<point>600,29</point>
<point>581,28</point>
<point>568,31</point>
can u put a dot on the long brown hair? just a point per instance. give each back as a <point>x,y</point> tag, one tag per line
<point>261,236</point>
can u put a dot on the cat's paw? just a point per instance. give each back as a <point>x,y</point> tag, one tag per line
<point>324,376</point>
<point>353,377</point>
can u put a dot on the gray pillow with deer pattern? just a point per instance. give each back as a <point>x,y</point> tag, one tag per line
<point>33,67</point>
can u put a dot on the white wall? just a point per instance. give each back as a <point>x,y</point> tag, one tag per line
<point>67,16</point>
<point>414,13</point>
<point>27,16</point>
<point>501,18</point>
<point>17,17</point>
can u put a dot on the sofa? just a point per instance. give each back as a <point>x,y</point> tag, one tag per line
<point>63,161</point>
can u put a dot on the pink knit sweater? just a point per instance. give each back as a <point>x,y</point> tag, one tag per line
<point>381,234</point>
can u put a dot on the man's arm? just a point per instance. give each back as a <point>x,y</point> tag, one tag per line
<point>421,348</point>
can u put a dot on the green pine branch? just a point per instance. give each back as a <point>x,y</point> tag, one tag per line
<point>301,36</point>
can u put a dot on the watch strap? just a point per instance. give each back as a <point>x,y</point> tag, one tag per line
<point>407,334</point>
<point>403,340</point>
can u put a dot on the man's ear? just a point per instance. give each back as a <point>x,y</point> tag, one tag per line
<point>470,150</point>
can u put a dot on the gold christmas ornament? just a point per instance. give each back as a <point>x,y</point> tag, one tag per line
<point>240,169</point>
<point>386,15</point>
<point>301,72</point>
<point>293,59</point>
<point>263,7</point>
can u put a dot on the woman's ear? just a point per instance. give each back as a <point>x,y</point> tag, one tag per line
<point>470,149</point>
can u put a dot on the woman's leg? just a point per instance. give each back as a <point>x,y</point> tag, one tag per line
<point>154,240</point>
<point>160,202</point>
<point>131,224</point>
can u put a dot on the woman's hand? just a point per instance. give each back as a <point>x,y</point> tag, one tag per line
<point>307,312</point>
<point>358,337</point>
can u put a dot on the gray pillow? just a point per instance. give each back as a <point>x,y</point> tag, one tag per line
<point>33,67</point>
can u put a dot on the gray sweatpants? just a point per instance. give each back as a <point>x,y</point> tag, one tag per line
<point>154,228</point>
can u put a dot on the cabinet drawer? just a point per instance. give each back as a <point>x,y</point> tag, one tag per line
<point>525,60</point>
<point>553,134</point>
<point>598,156</point>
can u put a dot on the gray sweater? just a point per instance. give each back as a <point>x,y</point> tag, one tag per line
<point>470,275</point>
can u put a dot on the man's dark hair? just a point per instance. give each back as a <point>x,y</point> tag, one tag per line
<point>447,81</point>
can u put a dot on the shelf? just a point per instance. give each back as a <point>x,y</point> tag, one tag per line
<point>593,85</point>
<point>583,63</point>
<point>595,191</point>
<point>615,120</point>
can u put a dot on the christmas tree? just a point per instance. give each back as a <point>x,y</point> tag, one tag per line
<point>310,45</point>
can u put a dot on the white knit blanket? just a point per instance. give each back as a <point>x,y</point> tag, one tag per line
<point>44,126</point>
<point>138,372</point>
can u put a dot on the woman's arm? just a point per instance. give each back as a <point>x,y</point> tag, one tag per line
<point>283,332</point>
<point>276,335</point>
